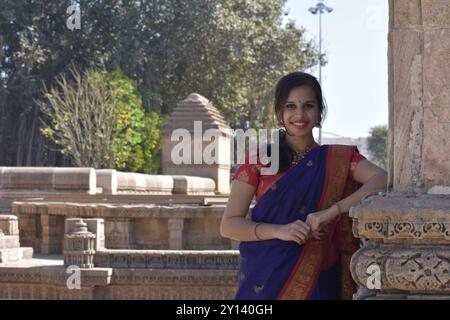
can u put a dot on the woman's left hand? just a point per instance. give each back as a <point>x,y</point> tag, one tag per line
<point>320,219</point>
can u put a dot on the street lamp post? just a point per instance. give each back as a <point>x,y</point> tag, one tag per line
<point>320,8</point>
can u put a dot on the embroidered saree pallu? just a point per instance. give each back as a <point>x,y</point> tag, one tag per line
<point>319,269</point>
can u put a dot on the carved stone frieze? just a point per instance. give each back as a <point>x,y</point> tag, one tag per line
<point>420,269</point>
<point>400,218</point>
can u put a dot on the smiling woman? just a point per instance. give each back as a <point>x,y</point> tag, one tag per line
<point>298,242</point>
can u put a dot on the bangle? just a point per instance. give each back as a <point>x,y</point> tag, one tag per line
<point>254,230</point>
<point>339,207</point>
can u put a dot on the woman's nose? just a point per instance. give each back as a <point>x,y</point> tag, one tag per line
<point>300,110</point>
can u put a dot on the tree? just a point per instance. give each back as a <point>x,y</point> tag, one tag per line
<point>81,117</point>
<point>98,120</point>
<point>377,144</point>
<point>231,51</point>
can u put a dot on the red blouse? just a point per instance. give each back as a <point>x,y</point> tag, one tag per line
<point>250,173</point>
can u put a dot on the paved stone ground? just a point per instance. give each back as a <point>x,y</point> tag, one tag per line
<point>38,260</point>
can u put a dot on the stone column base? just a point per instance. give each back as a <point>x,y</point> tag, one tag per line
<point>406,251</point>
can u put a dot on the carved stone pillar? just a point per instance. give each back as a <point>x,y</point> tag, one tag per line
<point>45,225</point>
<point>406,233</point>
<point>175,227</point>
<point>79,246</point>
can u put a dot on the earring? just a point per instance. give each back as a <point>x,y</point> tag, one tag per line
<point>318,124</point>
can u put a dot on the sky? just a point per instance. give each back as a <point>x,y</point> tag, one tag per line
<point>355,80</point>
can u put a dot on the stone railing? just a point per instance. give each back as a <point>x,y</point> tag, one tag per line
<point>138,226</point>
<point>48,179</point>
<point>29,181</point>
<point>406,252</point>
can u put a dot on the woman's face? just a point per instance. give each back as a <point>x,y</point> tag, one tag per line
<point>301,111</point>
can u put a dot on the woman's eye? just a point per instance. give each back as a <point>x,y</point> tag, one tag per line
<point>309,106</point>
<point>290,106</point>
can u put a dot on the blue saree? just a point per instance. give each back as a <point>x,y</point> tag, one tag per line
<point>276,269</point>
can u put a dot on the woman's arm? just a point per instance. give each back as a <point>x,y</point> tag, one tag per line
<point>371,177</point>
<point>235,226</point>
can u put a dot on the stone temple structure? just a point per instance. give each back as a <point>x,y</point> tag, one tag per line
<point>82,233</point>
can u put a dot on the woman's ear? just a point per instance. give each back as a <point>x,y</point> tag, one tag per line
<point>279,119</point>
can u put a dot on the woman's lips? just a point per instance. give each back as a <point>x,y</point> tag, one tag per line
<point>300,125</point>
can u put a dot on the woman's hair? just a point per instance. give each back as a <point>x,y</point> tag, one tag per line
<point>282,90</point>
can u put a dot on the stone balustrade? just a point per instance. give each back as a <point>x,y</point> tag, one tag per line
<point>138,182</point>
<point>134,226</point>
<point>193,185</point>
<point>17,181</point>
<point>107,180</point>
<point>48,179</point>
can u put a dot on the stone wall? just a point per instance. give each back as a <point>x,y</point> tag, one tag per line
<point>50,283</point>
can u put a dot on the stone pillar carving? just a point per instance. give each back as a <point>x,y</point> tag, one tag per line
<point>406,237</point>
<point>45,235</point>
<point>79,246</point>
<point>175,227</point>
<point>94,225</point>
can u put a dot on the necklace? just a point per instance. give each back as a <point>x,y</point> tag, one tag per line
<point>299,155</point>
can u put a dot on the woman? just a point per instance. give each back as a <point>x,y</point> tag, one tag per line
<point>298,242</point>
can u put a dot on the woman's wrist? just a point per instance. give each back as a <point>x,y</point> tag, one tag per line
<point>266,231</point>
<point>255,230</point>
<point>336,210</point>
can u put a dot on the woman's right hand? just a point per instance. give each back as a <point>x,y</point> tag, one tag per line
<point>297,231</point>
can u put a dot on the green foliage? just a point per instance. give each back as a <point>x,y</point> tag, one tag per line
<point>137,140</point>
<point>130,120</point>
<point>152,143</point>
<point>377,144</point>
<point>230,51</point>
<point>99,121</point>
<point>81,111</point>
<point>145,157</point>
